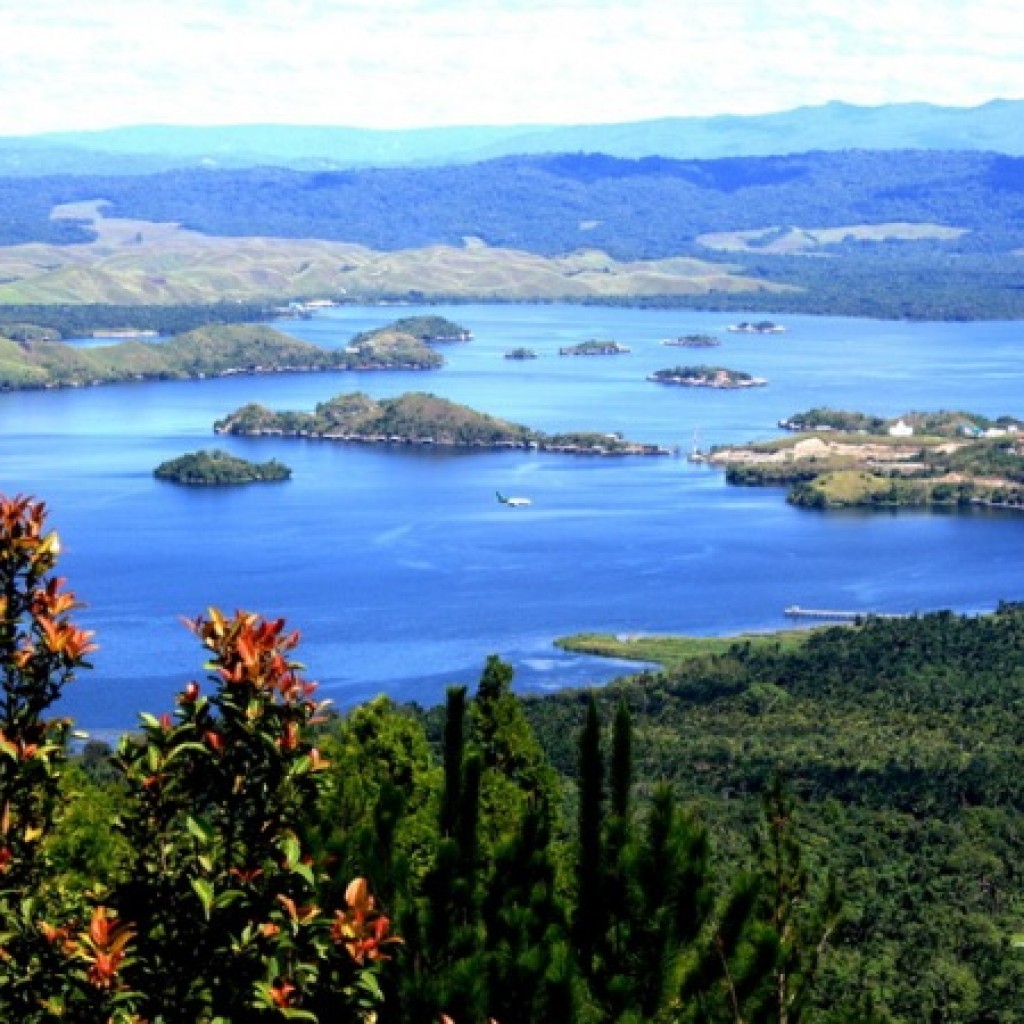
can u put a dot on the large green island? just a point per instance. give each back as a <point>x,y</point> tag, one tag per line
<point>218,468</point>
<point>422,419</point>
<point>837,459</point>
<point>215,351</point>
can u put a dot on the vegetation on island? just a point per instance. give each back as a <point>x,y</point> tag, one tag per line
<point>707,377</point>
<point>594,347</point>
<point>206,352</point>
<point>521,353</point>
<point>824,832</point>
<point>418,418</point>
<point>429,328</point>
<point>846,459</point>
<point>218,468</point>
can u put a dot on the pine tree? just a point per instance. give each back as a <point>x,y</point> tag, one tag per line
<point>590,917</point>
<point>772,934</point>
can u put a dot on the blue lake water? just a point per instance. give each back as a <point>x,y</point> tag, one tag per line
<point>401,569</point>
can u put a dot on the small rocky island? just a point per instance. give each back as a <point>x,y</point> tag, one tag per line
<point>594,348</point>
<point>693,341</point>
<point>838,459</point>
<point>707,377</point>
<point>416,418</point>
<point>520,353</point>
<point>757,327</point>
<point>216,351</point>
<point>218,468</point>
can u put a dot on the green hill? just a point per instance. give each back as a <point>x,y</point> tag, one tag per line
<point>417,418</point>
<point>218,468</point>
<point>206,352</point>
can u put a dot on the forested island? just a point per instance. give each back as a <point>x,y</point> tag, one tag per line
<point>420,419</point>
<point>520,353</point>
<point>218,468</point>
<point>707,377</point>
<point>841,459</point>
<point>427,328</point>
<point>594,347</point>
<point>823,828</point>
<point>216,351</point>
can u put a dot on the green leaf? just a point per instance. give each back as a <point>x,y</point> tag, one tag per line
<point>304,871</point>
<point>202,830</point>
<point>227,897</point>
<point>291,850</point>
<point>204,890</point>
<point>369,982</point>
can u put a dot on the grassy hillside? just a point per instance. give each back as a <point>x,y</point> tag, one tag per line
<point>139,262</point>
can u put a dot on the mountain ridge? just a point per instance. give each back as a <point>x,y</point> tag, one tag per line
<point>995,126</point>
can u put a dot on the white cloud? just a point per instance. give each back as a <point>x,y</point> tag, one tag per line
<point>394,63</point>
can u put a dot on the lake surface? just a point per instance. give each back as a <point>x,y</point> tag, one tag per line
<point>402,571</point>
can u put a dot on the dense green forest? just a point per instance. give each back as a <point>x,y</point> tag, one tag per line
<point>821,830</point>
<point>632,209</point>
<point>71,321</point>
<point>895,281</point>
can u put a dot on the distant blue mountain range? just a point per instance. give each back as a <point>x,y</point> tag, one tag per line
<point>997,126</point>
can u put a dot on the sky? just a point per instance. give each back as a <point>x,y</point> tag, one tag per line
<point>90,64</point>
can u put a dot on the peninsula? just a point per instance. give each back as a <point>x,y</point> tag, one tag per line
<point>837,459</point>
<point>218,468</point>
<point>216,351</point>
<point>707,377</point>
<point>419,419</point>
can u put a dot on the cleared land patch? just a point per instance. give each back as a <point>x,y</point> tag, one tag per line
<point>788,240</point>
